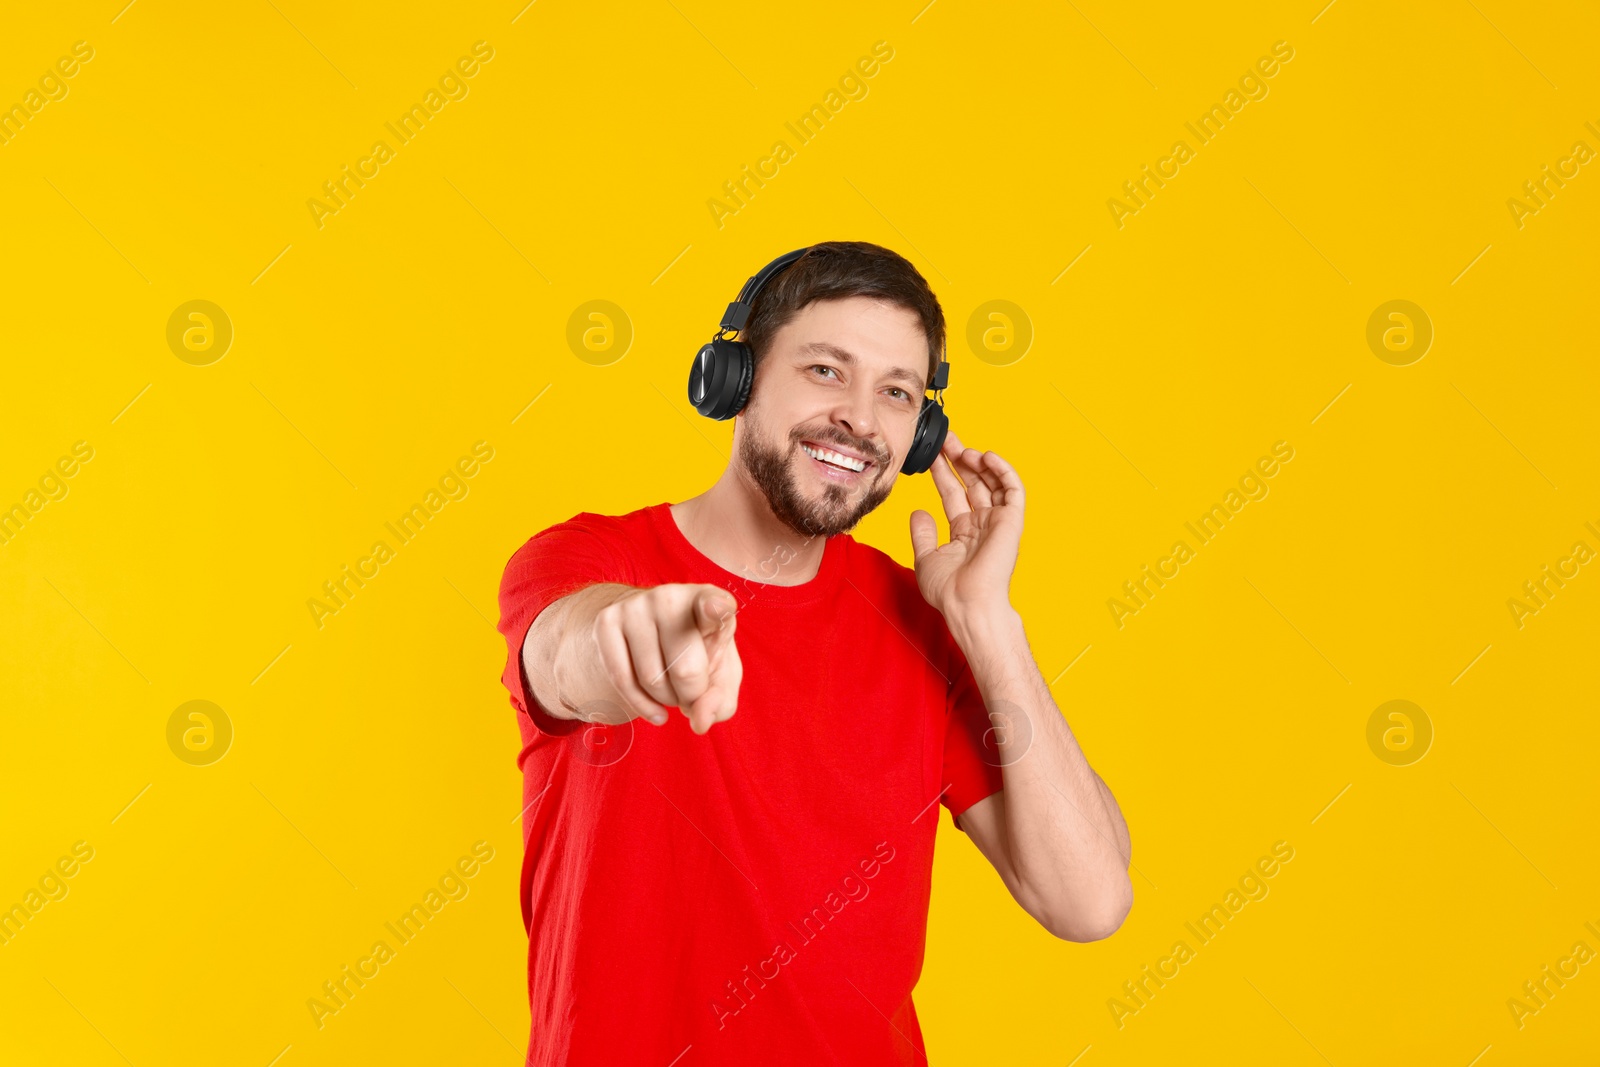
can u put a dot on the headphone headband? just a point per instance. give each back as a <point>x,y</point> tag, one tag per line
<point>738,312</point>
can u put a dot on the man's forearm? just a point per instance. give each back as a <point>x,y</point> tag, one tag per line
<point>1067,841</point>
<point>556,640</point>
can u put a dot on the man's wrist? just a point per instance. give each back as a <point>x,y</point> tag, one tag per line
<point>538,673</point>
<point>582,687</point>
<point>984,625</point>
<point>563,657</point>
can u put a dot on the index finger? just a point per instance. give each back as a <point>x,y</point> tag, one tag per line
<point>952,446</point>
<point>951,491</point>
<point>714,609</point>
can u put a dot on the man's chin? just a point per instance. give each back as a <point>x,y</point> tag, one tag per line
<point>802,498</point>
<point>830,508</point>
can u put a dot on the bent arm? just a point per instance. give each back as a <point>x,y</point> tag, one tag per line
<point>1124,842</point>
<point>1054,832</point>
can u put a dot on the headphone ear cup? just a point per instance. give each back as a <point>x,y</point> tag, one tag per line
<point>720,378</point>
<point>745,379</point>
<point>932,426</point>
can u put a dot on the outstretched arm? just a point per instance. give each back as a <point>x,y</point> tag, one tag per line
<point>609,653</point>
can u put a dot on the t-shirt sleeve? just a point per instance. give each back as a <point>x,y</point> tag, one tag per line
<point>971,759</point>
<point>554,563</point>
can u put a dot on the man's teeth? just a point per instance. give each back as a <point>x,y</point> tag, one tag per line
<point>827,455</point>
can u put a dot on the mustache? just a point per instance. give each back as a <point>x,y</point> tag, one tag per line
<point>833,436</point>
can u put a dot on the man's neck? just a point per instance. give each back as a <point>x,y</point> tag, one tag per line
<point>733,525</point>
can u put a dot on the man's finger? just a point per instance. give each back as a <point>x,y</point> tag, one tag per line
<point>714,609</point>
<point>717,647</point>
<point>980,484</point>
<point>717,607</point>
<point>1011,492</point>
<point>970,464</point>
<point>688,667</point>
<point>702,712</point>
<point>951,492</point>
<point>647,655</point>
<point>924,533</point>
<point>973,460</point>
<point>721,699</point>
<point>619,666</point>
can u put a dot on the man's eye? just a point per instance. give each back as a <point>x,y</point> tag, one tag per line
<point>825,370</point>
<point>902,394</point>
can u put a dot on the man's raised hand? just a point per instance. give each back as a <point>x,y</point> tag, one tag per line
<point>984,507</point>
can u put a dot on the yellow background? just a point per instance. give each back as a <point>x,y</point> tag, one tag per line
<point>371,753</point>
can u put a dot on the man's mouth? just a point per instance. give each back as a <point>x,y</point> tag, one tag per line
<point>833,459</point>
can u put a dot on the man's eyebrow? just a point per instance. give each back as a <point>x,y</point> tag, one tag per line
<point>903,374</point>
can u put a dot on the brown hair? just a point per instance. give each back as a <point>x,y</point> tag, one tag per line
<point>832,270</point>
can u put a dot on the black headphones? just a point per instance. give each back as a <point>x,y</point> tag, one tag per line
<point>723,370</point>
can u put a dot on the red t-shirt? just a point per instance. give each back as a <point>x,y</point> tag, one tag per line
<point>759,894</point>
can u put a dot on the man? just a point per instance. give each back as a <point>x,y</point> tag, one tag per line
<point>738,721</point>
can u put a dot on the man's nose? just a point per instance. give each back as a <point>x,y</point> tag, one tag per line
<point>856,416</point>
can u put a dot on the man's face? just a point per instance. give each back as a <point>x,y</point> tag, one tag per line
<point>832,411</point>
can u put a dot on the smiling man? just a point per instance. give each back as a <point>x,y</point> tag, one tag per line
<point>738,720</point>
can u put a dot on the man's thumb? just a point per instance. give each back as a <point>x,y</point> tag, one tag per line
<point>924,534</point>
<point>713,608</point>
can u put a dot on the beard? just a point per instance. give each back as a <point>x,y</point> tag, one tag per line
<point>832,513</point>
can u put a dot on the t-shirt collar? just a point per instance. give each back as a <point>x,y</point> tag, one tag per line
<point>749,588</point>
